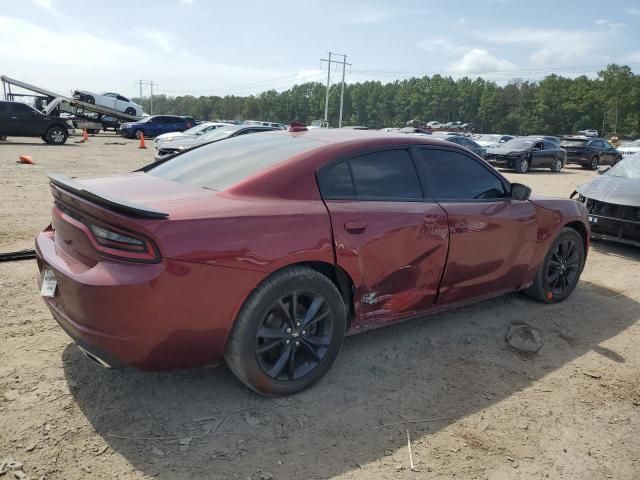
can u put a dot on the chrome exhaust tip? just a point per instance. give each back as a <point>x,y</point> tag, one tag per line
<point>94,358</point>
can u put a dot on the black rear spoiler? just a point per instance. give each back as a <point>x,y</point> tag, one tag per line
<point>122,206</point>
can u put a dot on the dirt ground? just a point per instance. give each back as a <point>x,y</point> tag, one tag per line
<point>472,407</point>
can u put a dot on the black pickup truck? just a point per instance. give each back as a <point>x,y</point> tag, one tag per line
<point>20,120</point>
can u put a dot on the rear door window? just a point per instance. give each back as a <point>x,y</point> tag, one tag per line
<point>455,176</point>
<point>383,175</point>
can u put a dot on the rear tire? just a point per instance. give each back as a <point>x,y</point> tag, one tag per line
<point>57,135</point>
<point>130,111</point>
<point>560,272</point>
<point>557,166</point>
<point>3,138</point>
<point>90,99</point>
<point>593,164</point>
<point>288,332</point>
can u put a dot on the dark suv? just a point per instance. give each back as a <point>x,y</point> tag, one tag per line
<point>590,151</point>
<point>155,125</point>
<point>20,120</point>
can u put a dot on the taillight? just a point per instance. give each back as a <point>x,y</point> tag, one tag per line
<point>109,240</point>
<point>123,244</point>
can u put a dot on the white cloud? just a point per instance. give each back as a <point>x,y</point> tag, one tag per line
<point>442,45</point>
<point>106,64</point>
<point>157,38</point>
<point>551,47</point>
<point>189,2</point>
<point>48,6</point>
<point>479,60</point>
<point>603,22</point>
<point>632,11</point>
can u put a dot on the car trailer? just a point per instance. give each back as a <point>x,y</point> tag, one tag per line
<point>56,103</point>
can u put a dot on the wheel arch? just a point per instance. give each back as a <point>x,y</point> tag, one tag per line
<point>341,279</point>
<point>582,231</point>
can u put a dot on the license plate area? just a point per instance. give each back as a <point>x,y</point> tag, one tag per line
<point>49,283</point>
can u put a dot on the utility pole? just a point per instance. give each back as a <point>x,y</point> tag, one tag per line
<point>151,84</point>
<point>344,63</point>
<point>326,102</point>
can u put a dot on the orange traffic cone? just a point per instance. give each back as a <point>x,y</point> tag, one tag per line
<point>85,135</point>
<point>26,159</point>
<point>142,144</point>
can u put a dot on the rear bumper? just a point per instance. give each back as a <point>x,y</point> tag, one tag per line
<point>160,316</point>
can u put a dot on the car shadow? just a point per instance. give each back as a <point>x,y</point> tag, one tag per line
<point>539,171</point>
<point>439,369</point>
<point>69,143</point>
<point>614,249</point>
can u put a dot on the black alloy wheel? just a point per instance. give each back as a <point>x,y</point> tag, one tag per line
<point>130,111</point>
<point>90,99</point>
<point>563,267</point>
<point>288,332</point>
<point>294,336</point>
<point>560,272</point>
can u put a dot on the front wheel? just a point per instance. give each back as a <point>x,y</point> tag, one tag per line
<point>561,269</point>
<point>130,111</point>
<point>56,135</point>
<point>288,333</point>
<point>138,133</point>
<point>523,165</point>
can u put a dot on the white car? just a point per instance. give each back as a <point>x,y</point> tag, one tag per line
<point>110,100</point>
<point>590,132</point>
<point>194,132</point>
<point>629,149</point>
<point>492,139</point>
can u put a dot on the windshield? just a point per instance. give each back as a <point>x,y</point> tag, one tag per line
<point>489,138</point>
<point>626,168</point>
<point>220,165</point>
<point>574,142</point>
<point>197,129</point>
<point>517,144</point>
<point>219,133</point>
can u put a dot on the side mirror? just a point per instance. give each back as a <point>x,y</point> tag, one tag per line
<point>603,170</point>
<point>520,192</point>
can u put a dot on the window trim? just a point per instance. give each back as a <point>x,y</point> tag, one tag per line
<point>433,188</point>
<point>369,151</point>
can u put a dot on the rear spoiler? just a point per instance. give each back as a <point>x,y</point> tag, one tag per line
<point>65,183</point>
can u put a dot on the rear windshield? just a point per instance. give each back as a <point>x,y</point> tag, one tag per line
<point>219,165</point>
<point>574,142</point>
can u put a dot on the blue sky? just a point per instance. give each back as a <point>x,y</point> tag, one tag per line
<point>242,47</point>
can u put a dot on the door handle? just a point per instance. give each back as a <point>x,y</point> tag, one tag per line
<point>355,226</point>
<point>14,118</point>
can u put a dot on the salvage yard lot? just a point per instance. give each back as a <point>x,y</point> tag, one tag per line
<point>473,408</point>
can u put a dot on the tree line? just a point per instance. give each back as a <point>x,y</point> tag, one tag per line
<point>555,105</point>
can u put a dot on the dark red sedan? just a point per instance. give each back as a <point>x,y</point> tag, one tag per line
<point>267,249</point>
